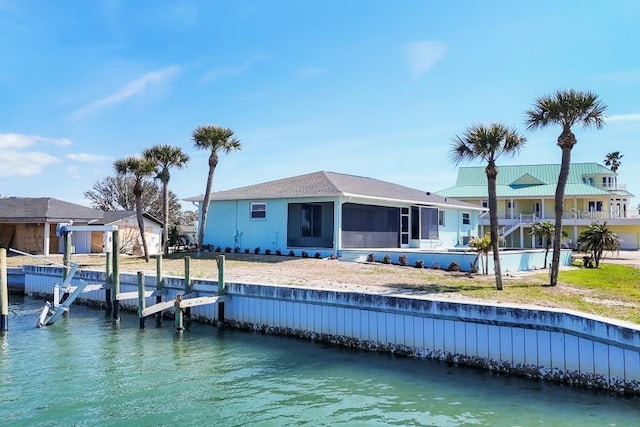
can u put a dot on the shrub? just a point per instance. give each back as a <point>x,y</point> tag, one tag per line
<point>267,251</point>
<point>227,249</point>
<point>218,249</point>
<point>305,255</point>
<point>278,252</point>
<point>317,255</point>
<point>291,253</point>
<point>371,258</point>
<point>419,264</point>
<point>454,266</point>
<point>246,251</point>
<point>435,265</point>
<point>386,259</point>
<point>402,260</point>
<point>256,250</point>
<point>333,256</point>
<point>236,250</point>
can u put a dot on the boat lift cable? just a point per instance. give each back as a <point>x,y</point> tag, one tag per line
<point>40,257</point>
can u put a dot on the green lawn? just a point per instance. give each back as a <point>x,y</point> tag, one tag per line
<point>610,291</point>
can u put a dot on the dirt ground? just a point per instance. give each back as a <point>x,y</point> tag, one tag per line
<point>309,272</point>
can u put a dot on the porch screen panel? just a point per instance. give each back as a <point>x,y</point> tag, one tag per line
<point>366,226</point>
<point>428,223</point>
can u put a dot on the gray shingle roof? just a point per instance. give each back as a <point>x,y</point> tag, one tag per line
<point>41,209</point>
<point>332,184</point>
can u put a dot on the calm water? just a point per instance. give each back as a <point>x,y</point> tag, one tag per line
<point>85,371</point>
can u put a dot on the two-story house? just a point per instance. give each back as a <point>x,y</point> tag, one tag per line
<point>526,195</point>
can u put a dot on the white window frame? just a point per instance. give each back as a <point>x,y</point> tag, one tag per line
<point>256,213</point>
<point>466,218</point>
<point>441,218</point>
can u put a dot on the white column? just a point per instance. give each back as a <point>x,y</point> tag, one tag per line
<point>542,208</point>
<point>511,201</point>
<point>46,238</point>
<point>521,237</point>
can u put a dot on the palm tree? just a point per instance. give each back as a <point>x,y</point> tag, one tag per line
<point>139,168</point>
<point>544,230</point>
<point>482,245</point>
<point>166,156</point>
<point>613,161</point>
<point>598,238</point>
<point>215,139</point>
<point>565,108</point>
<point>488,143</point>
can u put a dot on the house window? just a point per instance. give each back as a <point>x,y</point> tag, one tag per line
<point>258,210</point>
<point>441,218</point>
<point>466,218</point>
<point>485,204</point>
<point>311,221</point>
<point>595,206</point>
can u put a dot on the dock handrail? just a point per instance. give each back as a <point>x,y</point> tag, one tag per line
<point>40,257</point>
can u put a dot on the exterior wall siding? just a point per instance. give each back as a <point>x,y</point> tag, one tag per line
<point>541,343</point>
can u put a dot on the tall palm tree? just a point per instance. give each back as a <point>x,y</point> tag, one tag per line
<point>566,108</point>
<point>215,139</point>
<point>488,143</point>
<point>613,161</point>
<point>166,156</point>
<point>139,168</point>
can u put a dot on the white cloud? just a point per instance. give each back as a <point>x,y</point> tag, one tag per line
<point>86,157</point>
<point>623,118</point>
<point>233,71</point>
<point>423,55</point>
<point>131,89</point>
<point>24,163</point>
<point>18,141</point>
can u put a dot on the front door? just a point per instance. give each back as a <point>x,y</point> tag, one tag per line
<point>404,227</point>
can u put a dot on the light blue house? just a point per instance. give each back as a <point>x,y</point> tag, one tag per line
<point>330,213</point>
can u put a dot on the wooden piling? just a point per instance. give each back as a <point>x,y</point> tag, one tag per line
<point>66,257</point>
<point>108,283</point>
<point>4,292</point>
<point>179,322</point>
<point>159,287</point>
<point>115,287</point>
<point>187,287</point>
<point>141,299</point>
<point>222,287</point>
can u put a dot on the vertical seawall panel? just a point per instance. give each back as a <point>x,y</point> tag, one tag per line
<point>550,343</point>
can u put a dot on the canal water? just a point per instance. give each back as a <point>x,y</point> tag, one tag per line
<point>84,371</point>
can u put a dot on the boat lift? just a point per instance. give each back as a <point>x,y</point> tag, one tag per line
<point>51,312</point>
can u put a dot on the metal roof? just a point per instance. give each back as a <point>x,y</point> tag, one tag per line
<point>332,184</point>
<point>530,181</point>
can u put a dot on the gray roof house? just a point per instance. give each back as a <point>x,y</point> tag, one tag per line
<point>29,224</point>
<point>329,212</point>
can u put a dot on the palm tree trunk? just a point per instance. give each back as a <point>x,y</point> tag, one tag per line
<point>493,220</point>
<point>141,227</point>
<point>559,210</point>
<point>165,219</point>
<point>205,207</point>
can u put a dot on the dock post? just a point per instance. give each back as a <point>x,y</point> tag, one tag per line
<point>141,298</point>
<point>66,256</point>
<point>115,286</point>
<point>179,317</point>
<point>222,286</point>
<point>159,287</point>
<point>187,287</point>
<point>4,292</point>
<point>108,281</point>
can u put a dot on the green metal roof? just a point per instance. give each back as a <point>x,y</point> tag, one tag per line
<point>529,181</point>
<point>547,174</point>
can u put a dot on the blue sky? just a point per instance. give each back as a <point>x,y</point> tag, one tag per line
<point>374,88</point>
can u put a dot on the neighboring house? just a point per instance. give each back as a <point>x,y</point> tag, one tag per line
<point>329,213</point>
<point>29,225</point>
<point>128,233</point>
<point>526,195</point>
